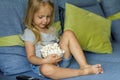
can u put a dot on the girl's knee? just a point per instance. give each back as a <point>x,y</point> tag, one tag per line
<point>47,69</point>
<point>68,33</point>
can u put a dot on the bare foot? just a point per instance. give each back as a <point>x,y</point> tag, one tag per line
<point>86,66</point>
<point>93,69</point>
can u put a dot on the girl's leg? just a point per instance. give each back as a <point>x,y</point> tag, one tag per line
<point>70,44</point>
<point>56,72</point>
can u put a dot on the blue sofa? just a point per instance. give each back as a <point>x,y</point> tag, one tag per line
<point>13,60</point>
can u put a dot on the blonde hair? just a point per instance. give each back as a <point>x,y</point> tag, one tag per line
<point>33,7</point>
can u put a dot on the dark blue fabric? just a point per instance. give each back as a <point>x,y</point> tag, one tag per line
<point>110,6</point>
<point>61,17</point>
<point>116,30</point>
<point>56,18</point>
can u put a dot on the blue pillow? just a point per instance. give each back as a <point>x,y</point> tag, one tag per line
<point>13,60</point>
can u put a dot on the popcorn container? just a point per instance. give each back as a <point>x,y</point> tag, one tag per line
<point>51,49</point>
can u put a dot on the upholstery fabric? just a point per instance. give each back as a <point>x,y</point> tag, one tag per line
<point>11,17</point>
<point>110,7</point>
<point>11,26</point>
<point>111,71</point>
<point>116,30</point>
<point>29,73</point>
<point>91,5</point>
<point>13,64</point>
<point>12,59</point>
<point>56,18</point>
<point>112,11</point>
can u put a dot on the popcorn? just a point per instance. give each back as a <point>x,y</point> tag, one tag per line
<point>51,49</point>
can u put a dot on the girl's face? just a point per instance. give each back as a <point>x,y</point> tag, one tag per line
<point>42,17</point>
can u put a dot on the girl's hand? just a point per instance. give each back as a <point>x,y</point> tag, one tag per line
<point>53,58</point>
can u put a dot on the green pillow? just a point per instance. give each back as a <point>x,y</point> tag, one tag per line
<point>114,16</point>
<point>93,31</point>
<point>11,41</point>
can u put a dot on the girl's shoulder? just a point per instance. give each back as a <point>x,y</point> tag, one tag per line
<point>28,35</point>
<point>28,30</point>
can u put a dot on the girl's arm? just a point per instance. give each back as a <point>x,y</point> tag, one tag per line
<point>30,51</point>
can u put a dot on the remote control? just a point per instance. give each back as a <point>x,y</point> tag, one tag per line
<point>24,77</point>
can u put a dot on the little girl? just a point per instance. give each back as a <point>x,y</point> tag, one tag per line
<point>39,32</point>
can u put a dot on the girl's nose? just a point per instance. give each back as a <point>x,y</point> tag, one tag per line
<point>45,20</point>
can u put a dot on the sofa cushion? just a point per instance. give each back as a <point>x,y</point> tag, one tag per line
<point>11,17</point>
<point>112,11</point>
<point>56,18</point>
<point>92,35</point>
<point>77,2</point>
<point>13,60</point>
<point>110,7</point>
<point>116,30</point>
<point>91,5</point>
<point>110,68</point>
<point>115,26</point>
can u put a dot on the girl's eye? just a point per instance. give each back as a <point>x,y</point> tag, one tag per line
<point>48,16</point>
<point>40,17</point>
